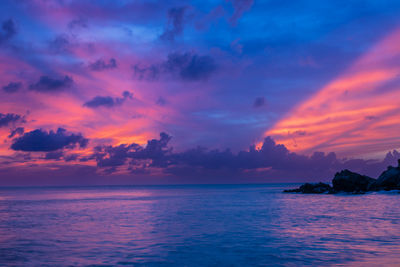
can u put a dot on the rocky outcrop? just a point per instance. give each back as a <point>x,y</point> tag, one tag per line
<point>351,182</point>
<point>389,179</point>
<point>309,188</point>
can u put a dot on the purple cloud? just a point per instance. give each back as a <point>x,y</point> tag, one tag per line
<point>240,7</point>
<point>100,65</point>
<point>48,84</point>
<point>108,101</point>
<point>187,66</point>
<point>9,29</point>
<point>10,118</point>
<point>16,131</point>
<point>12,87</point>
<point>175,23</point>
<point>271,159</point>
<point>40,140</point>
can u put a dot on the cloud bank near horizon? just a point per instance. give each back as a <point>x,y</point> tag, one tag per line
<point>54,151</point>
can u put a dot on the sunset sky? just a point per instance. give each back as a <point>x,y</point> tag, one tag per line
<point>240,91</point>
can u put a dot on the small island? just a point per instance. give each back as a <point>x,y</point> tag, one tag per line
<point>352,182</point>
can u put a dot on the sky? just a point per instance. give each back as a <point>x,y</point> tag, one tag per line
<point>166,92</point>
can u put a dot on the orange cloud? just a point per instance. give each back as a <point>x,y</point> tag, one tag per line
<point>357,114</point>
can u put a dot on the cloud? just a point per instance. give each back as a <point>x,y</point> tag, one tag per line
<point>155,150</point>
<point>47,84</point>
<point>12,87</point>
<point>259,102</point>
<point>271,160</point>
<point>60,44</point>
<point>149,73</point>
<point>8,30</point>
<point>16,131</point>
<point>240,7</point>
<point>54,155</point>
<point>109,156</point>
<point>108,101</point>
<point>175,23</point>
<point>71,157</point>
<point>78,23</point>
<point>187,66</point>
<point>100,101</point>
<point>10,118</point>
<point>197,68</point>
<point>41,140</point>
<point>275,160</point>
<point>355,113</point>
<point>270,155</point>
<point>100,65</point>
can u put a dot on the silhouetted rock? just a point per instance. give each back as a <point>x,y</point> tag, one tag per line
<point>389,179</point>
<point>352,182</point>
<point>308,188</point>
<point>347,181</point>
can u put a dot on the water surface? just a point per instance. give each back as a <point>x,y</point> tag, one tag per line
<point>237,225</point>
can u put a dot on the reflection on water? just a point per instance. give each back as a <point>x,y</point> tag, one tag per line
<point>197,225</point>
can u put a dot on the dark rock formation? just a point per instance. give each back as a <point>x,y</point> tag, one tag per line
<point>308,188</point>
<point>347,181</point>
<point>389,179</point>
<point>351,182</point>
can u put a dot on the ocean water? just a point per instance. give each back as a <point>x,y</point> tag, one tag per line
<point>215,225</point>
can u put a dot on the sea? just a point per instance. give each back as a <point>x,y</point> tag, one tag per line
<point>196,225</point>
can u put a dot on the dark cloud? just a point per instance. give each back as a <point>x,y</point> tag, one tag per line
<point>259,102</point>
<point>71,157</point>
<point>41,140</point>
<point>149,73</point>
<point>175,24</point>
<point>127,94</point>
<point>78,23</point>
<point>275,160</point>
<point>197,68</point>
<point>60,44</point>
<point>240,7</point>
<point>47,84</point>
<point>16,131</point>
<point>270,155</point>
<point>100,65</point>
<point>108,101</point>
<point>54,155</point>
<point>8,30</point>
<point>109,156</point>
<point>186,66</point>
<point>271,160</point>
<point>156,151</point>
<point>100,101</point>
<point>10,118</point>
<point>12,87</point>
<point>160,155</point>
